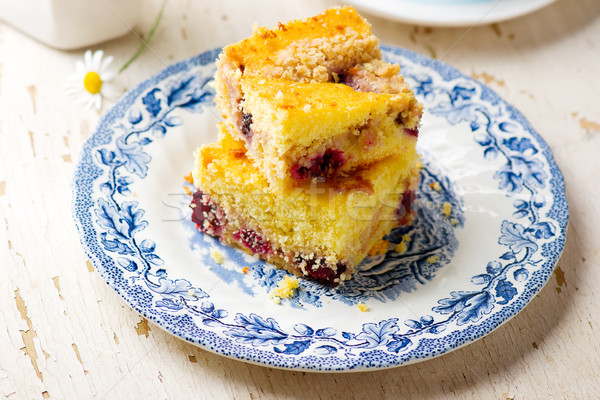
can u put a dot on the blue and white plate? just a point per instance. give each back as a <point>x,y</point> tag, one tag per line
<point>485,241</point>
<point>450,12</point>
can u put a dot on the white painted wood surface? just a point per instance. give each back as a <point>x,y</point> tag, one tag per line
<point>65,334</point>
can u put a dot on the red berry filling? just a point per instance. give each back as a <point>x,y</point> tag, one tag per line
<point>404,208</point>
<point>300,173</point>
<point>412,132</point>
<point>324,165</point>
<point>245,125</point>
<point>253,241</point>
<point>399,119</point>
<point>207,215</point>
<point>317,270</point>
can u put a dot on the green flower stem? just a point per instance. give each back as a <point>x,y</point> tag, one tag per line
<point>147,39</point>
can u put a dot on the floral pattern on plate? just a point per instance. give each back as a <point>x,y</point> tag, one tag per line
<point>498,181</point>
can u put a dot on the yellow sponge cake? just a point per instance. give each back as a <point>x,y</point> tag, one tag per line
<point>313,99</point>
<point>321,233</point>
<point>316,161</point>
<point>302,131</point>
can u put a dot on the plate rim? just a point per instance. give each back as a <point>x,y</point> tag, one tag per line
<point>466,20</point>
<point>446,71</point>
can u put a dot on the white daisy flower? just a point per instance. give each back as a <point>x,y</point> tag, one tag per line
<point>91,80</point>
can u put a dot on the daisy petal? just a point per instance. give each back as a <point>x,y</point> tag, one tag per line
<point>108,76</point>
<point>89,103</point>
<point>105,63</point>
<point>97,101</point>
<point>81,100</point>
<point>97,60</point>
<point>72,90</point>
<point>87,59</point>
<point>74,82</point>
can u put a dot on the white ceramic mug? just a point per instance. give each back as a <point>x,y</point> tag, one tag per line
<point>71,24</point>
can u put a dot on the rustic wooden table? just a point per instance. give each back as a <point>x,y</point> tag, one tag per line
<point>65,334</point>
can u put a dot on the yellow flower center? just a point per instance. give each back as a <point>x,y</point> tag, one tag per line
<point>92,82</point>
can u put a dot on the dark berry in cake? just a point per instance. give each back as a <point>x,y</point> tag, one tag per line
<point>207,215</point>
<point>253,241</point>
<point>318,271</point>
<point>324,165</point>
<point>246,122</point>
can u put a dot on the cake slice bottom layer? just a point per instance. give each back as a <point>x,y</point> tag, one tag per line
<point>318,232</point>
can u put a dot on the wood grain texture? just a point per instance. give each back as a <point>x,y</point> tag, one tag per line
<point>65,334</point>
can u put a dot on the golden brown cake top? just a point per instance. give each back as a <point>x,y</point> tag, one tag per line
<point>297,114</point>
<point>337,38</point>
<point>291,98</point>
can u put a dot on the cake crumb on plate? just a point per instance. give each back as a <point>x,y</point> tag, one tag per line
<point>447,209</point>
<point>286,289</point>
<point>401,247</point>
<point>217,256</point>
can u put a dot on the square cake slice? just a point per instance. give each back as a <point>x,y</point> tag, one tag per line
<point>299,132</point>
<point>313,99</point>
<point>321,233</point>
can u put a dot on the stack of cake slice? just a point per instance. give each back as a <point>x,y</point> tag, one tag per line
<point>316,158</point>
